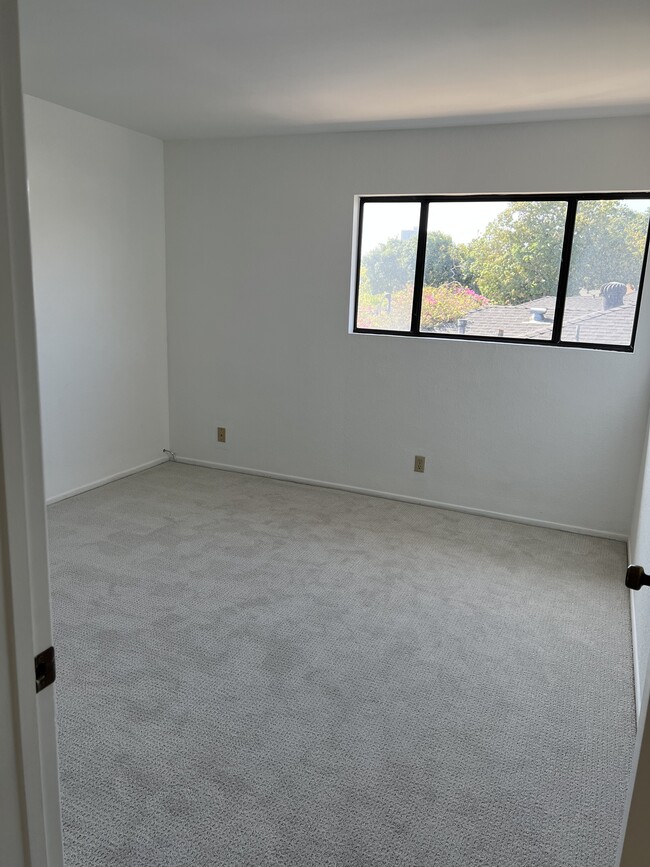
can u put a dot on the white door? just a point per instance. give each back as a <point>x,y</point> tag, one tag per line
<point>635,842</point>
<point>30,823</point>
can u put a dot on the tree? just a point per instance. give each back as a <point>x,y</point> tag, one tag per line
<point>463,266</point>
<point>608,245</point>
<point>440,261</point>
<point>517,258</point>
<point>390,266</point>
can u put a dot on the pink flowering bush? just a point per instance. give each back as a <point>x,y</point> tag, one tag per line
<point>376,311</point>
<point>447,303</point>
<point>441,304</point>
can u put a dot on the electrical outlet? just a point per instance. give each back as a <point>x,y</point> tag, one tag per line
<point>418,467</point>
<point>221,434</point>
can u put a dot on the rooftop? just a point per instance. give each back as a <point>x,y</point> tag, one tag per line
<point>585,320</point>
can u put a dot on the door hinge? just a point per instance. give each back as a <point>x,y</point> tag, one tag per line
<point>44,668</point>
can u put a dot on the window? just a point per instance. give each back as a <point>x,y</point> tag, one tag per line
<point>561,270</point>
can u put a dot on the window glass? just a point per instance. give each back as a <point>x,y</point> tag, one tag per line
<point>389,241</point>
<point>492,268</point>
<point>605,271</point>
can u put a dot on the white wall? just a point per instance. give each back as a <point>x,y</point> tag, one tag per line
<point>98,243</point>
<point>259,237</point>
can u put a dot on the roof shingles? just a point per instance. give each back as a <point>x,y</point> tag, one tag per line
<point>585,321</point>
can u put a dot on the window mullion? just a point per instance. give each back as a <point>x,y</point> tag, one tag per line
<point>418,278</point>
<point>358,274</point>
<point>563,278</point>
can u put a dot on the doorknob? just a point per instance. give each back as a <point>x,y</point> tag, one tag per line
<point>635,577</point>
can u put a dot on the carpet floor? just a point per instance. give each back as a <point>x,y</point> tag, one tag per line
<point>255,672</point>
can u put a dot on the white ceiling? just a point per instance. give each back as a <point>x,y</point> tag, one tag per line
<point>198,68</point>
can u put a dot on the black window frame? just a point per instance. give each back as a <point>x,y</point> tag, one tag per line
<point>571,199</point>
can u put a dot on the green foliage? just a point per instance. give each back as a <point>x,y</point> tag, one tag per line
<point>463,266</point>
<point>387,312</point>
<point>517,258</point>
<point>390,266</point>
<point>608,245</point>
<point>445,303</point>
<point>440,259</point>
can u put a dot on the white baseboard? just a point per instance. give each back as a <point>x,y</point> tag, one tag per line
<point>100,482</point>
<point>518,519</point>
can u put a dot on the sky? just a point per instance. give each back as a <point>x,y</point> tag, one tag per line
<point>462,220</point>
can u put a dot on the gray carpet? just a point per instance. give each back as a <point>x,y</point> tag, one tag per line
<point>253,672</point>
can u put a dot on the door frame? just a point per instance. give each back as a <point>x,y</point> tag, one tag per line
<point>28,719</point>
<point>635,837</point>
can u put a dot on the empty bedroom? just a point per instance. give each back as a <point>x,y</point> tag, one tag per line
<point>343,380</point>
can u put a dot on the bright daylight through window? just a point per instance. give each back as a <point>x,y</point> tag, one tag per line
<point>564,269</point>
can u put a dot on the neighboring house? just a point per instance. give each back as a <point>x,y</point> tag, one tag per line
<point>585,320</point>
